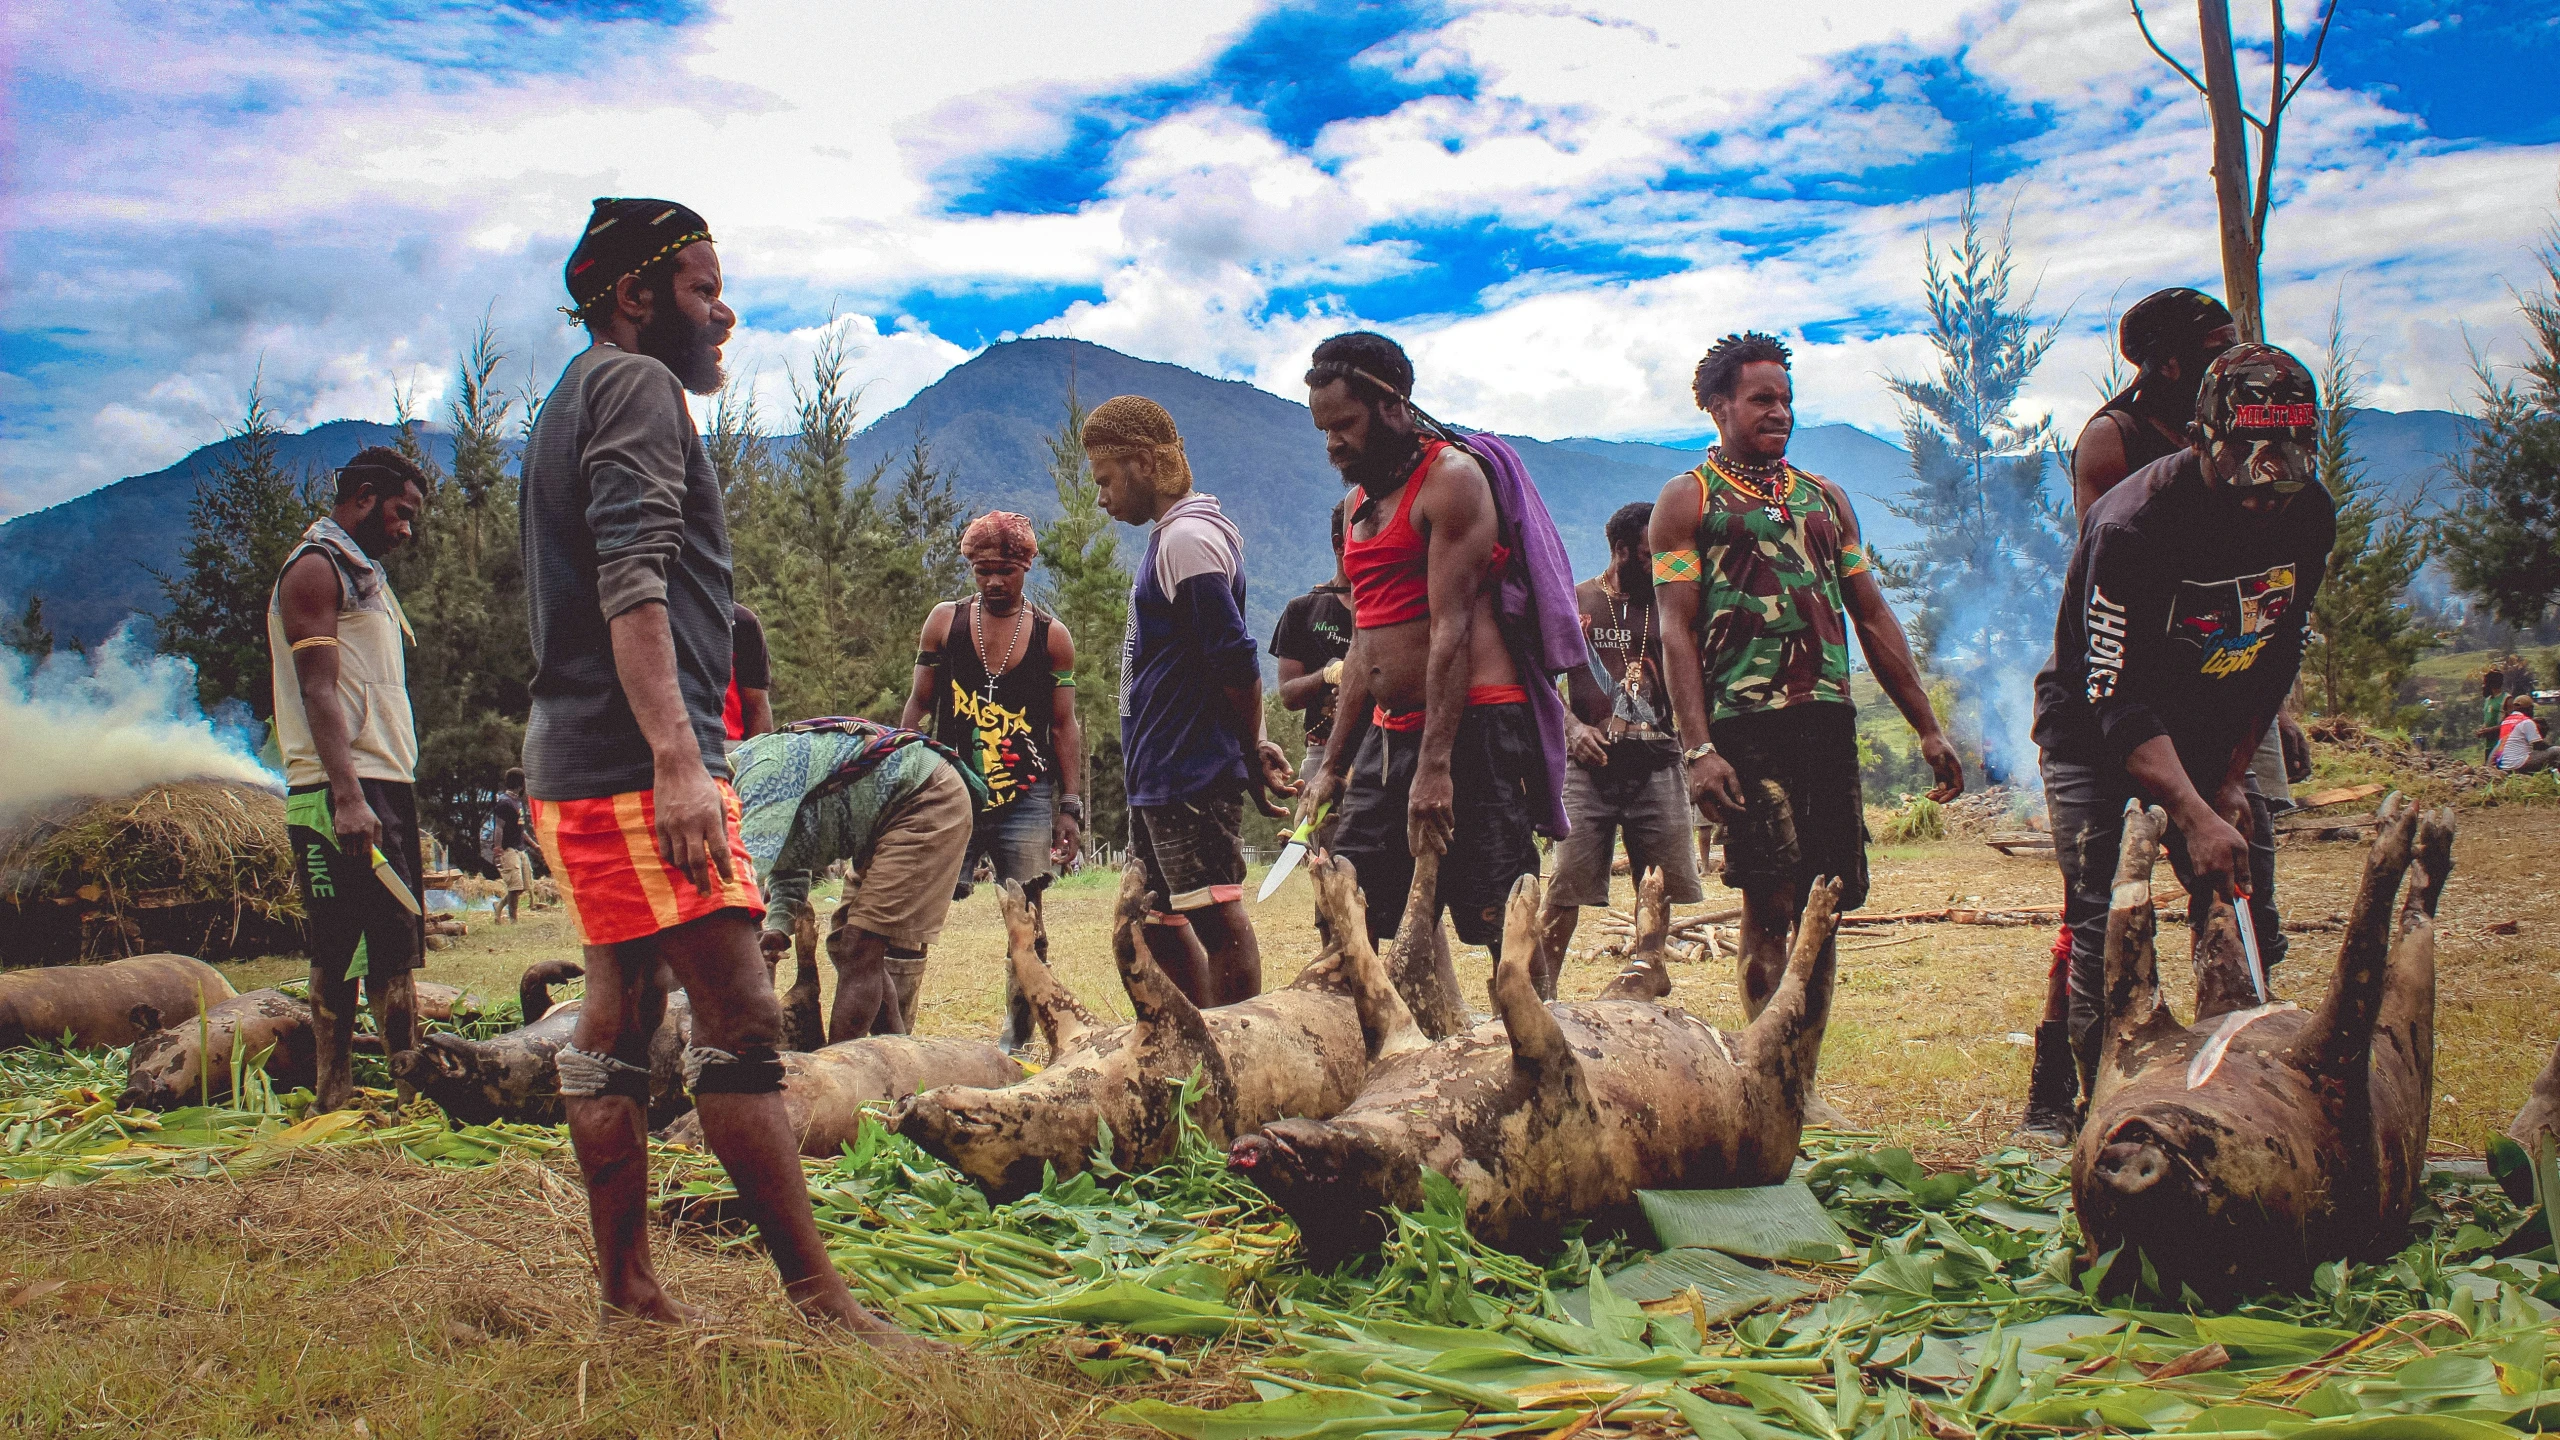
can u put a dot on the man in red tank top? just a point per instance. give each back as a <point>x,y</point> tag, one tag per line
<point>1433,745</point>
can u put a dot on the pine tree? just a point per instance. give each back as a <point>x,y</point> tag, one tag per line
<point>28,634</point>
<point>2502,541</point>
<point>926,512</point>
<point>245,519</point>
<point>1088,588</point>
<point>2365,637</point>
<point>1987,569</point>
<point>817,556</point>
<point>461,582</point>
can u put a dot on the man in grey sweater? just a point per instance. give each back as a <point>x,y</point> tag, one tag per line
<point>626,557</point>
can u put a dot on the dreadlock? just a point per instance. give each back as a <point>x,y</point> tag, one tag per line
<point>1723,365</point>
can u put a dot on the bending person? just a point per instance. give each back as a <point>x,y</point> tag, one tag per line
<point>892,805</point>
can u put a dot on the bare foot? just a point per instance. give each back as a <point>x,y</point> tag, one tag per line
<point>654,1306</point>
<point>870,1327</point>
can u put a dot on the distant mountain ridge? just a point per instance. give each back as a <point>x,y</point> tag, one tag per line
<point>988,419</point>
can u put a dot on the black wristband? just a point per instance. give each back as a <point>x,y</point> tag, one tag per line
<point>1072,805</point>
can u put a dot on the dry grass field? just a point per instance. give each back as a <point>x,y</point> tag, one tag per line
<point>380,1297</point>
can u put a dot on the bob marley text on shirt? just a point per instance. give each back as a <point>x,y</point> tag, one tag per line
<point>1005,754</point>
<point>2230,621</point>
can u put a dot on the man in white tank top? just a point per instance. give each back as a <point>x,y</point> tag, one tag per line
<point>335,637</point>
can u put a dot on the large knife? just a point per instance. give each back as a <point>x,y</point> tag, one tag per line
<point>2249,945</point>
<point>392,882</point>
<point>1292,853</point>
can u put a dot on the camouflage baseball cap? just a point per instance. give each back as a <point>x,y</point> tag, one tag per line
<point>2259,411</point>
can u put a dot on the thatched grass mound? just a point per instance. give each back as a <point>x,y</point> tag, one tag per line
<point>200,867</point>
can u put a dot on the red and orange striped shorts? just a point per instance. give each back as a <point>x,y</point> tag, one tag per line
<point>604,853</point>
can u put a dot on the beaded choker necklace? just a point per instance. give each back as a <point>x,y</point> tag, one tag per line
<point>1768,482</point>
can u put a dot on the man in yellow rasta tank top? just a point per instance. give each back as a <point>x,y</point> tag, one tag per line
<point>1759,571</point>
<point>995,681</point>
<point>334,639</point>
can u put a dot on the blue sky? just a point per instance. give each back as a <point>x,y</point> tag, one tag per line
<point>1556,207</point>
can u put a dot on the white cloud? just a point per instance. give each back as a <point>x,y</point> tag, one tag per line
<point>204,195</point>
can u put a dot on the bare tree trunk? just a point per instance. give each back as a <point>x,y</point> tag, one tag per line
<point>2230,169</point>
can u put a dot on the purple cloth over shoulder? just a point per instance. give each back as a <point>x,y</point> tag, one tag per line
<point>1535,603</point>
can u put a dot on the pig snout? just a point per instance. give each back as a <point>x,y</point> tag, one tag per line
<point>2132,1167</point>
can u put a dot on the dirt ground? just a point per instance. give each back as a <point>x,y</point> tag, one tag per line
<point>1921,1045</point>
<point>380,1297</point>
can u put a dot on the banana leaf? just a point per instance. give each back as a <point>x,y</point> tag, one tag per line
<point>1726,1287</point>
<point>1765,1222</point>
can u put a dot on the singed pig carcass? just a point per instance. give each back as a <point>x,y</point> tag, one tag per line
<point>188,1061</point>
<point>516,1076</point>
<point>825,1090</point>
<point>2540,1116</point>
<point>1300,1050</point>
<point>2239,1153</point>
<point>1552,1113</point>
<point>112,1004</point>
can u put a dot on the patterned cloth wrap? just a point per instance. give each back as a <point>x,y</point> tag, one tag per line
<point>1772,629</point>
<point>811,759</point>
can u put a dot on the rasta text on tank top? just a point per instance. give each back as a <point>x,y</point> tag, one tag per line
<point>1000,726</point>
<point>1771,628</point>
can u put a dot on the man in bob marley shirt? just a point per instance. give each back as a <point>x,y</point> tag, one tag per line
<point>2180,633</point>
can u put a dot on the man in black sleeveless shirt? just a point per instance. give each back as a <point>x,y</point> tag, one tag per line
<point>996,676</point>
<point>2171,335</point>
<point>1313,635</point>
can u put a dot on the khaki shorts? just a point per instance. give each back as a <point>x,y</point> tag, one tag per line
<point>515,870</point>
<point>904,891</point>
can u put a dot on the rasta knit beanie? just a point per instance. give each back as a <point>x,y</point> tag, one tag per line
<point>1135,427</point>
<point>625,237</point>
<point>2169,322</point>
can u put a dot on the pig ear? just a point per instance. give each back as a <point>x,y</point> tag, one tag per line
<point>1537,1042</point>
<point>2338,1042</point>
<point>145,1018</point>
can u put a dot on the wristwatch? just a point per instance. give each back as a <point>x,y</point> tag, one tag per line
<point>1072,805</point>
<point>1697,752</point>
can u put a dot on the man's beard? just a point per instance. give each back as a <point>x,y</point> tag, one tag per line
<point>674,340</point>
<point>372,534</point>
<point>1634,580</point>
<point>2173,402</point>
<point>1386,463</point>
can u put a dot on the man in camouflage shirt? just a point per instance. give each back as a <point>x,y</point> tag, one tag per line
<point>1756,565</point>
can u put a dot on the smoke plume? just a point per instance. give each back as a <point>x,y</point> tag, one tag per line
<point>109,722</point>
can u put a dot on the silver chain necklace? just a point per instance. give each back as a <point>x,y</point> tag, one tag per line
<point>978,642</point>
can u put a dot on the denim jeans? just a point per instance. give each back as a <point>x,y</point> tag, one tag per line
<point>1016,836</point>
<point>2085,804</point>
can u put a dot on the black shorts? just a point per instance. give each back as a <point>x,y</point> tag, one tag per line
<point>1491,765</point>
<point>1804,813</point>
<point>343,905</point>
<point>1193,851</point>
